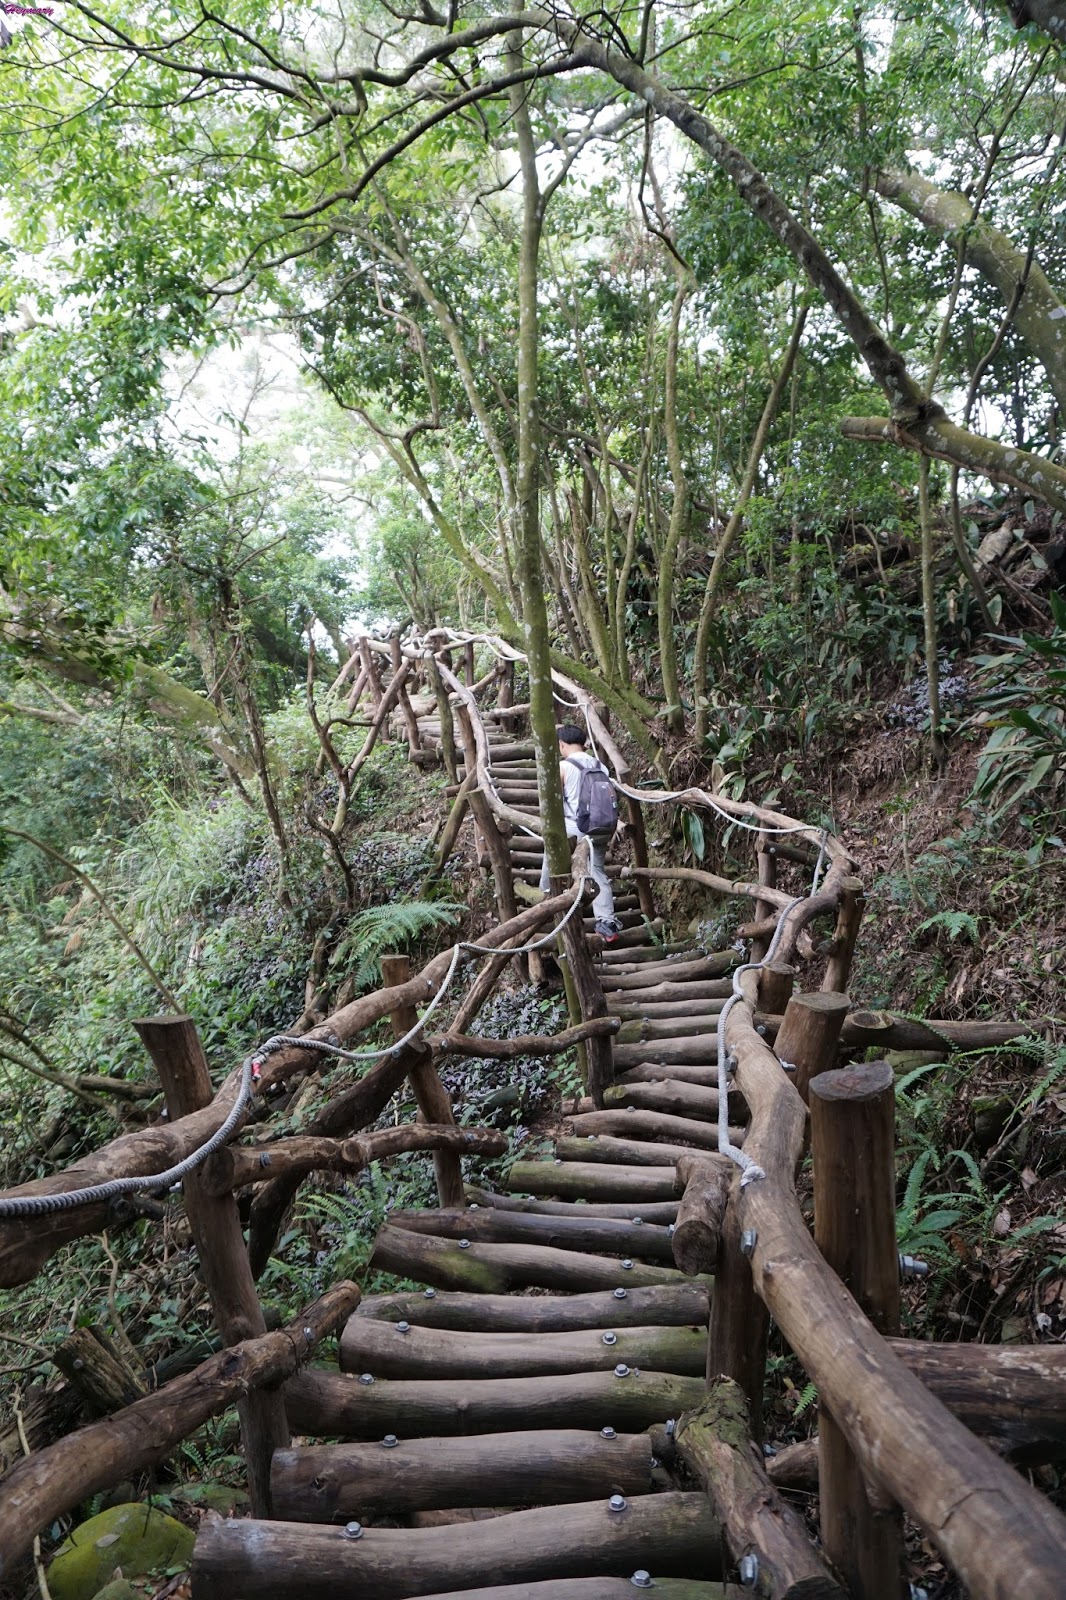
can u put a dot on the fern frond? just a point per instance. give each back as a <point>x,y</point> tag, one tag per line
<point>378,929</point>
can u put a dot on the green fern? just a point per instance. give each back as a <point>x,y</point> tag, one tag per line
<point>808,1396</point>
<point>378,929</point>
<point>953,923</point>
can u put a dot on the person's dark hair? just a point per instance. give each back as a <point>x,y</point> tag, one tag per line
<point>570,733</point>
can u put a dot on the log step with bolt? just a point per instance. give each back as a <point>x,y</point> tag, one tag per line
<point>334,1483</point>
<point>605,1235</point>
<point>324,1405</point>
<point>402,1350</point>
<point>678,1305</point>
<point>672,1534</point>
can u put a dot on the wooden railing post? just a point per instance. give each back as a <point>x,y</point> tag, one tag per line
<point>766,858</point>
<point>776,982</point>
<point>739,1322</point>
<point>635,824</point>
<point>414,738</point>
<point>482,812</point>
<point>430,1093</point>
<point>853,1121</point>
<point>809,1033</point>
<point>177,1054</point>
<point>852,906</point>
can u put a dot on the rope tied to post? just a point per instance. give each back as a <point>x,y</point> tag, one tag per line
<point>39,1205</point>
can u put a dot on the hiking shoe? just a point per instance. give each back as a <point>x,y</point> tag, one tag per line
<point>609,931</point>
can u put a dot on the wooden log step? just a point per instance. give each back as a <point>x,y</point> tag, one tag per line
<point>341,1482</point>
<point>630,917</point>
<point>575,1231</point>
<point>668,1051</point>
<point>380,1349</point>
<point>496,1268</point>
<point>639,1029</point>
<point>671,1097</point>
<point>654,974</point>
<point>573,1178</point>
<point>658,1211</point>
<point>635,937</point>
<point>654,954</point>
<point>634,1152</point>
<point>323,1404</point>
<point>592,1589</point>
<point>661,999</point>
<point>676,1305</point>
<point>652,1125</point>
<point>528,872</point>
<point>677,1071</point>
<point>673,1534</point>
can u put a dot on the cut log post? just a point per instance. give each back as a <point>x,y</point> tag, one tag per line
<point>373,671</point>
<point>488,824</point>
<point>429,1092</point>
<point>767,862</point>
<point>89,1358</point>
<point>495,1268</point>
<point>853,1126</point>
<point>842,950</point>
<point>668,1533</point>
<point>776,982</point>
<point>51,1482</point>
<point>414,738</point>
<point>756,1520</point>
<point>576,1231</point>
<point>337,1405</point>
<point>178,1057</point>
<point>739,1324</point>
<point>452,828</point>
<point>637,832</point>
<point>998,1533</point>
<point>701,1214</point>
<point>379,1348</point>
<point>676,1305</point>
<point>586,1180</point>
<point>335,1483</point>
<point>715,1443</point>
<point>447,726</point>
<point>808,1036</point>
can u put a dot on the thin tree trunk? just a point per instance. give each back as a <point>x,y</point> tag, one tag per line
<point>675,716</point>
<point>932,670</point>
<point>733,526</point>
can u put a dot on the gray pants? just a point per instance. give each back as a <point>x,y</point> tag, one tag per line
<point>603,905</point>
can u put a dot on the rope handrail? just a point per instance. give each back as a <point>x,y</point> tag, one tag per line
<point>14,1207</point>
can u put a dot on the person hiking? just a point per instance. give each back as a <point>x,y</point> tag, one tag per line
<point>590,811</point>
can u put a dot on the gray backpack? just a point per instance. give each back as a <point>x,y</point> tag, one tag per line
<point>597,804</point>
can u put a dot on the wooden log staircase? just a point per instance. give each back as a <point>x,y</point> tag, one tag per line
<point>563,1397</point>
<point>516,1409</point>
